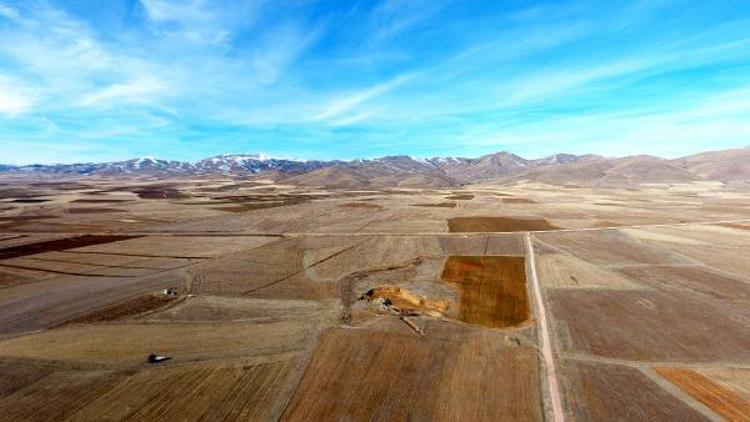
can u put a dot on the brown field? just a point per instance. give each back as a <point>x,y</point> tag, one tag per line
<point>125,309</point>
<point>438,205</point>
<point>94,210</point>
<point>165,193</point>
<point>274,319</point>
<point>721,400</point>
<point>461,197</point>
<point>58,245</point>
<point>360,205</point>
<point>99,201</point>
<point>493,289</point>
<point>57,396</point>
<point>216,392</point>
<point>619,393</point>
<point>20,218</point>
<point>15,376</point>
<point>126,344</point>
<point>497,224</point>
<point>518,201</point>
<point>640,325</point>
<point>384,375</point>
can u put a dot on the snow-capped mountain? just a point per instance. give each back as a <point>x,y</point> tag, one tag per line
<point>403,170</point>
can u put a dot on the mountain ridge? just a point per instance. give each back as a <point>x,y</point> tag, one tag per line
<point>726,166</point>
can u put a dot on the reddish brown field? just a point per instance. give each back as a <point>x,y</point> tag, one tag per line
<point>493,289</point>
<point>725,402</point>
<point>497,224</point>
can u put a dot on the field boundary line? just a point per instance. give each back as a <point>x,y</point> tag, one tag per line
<point>549,361</point>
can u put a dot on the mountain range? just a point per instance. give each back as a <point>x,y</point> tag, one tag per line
<point>727,166</point>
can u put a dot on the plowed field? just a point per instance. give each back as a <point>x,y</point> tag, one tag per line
<point>493,289</point>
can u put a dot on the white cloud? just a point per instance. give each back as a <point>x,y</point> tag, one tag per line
<point>353,119</point>
<point>349,102</point>
<point>392,17</point>
<point>182,11</point>
<point>9,12</point>
<point>199,21</point>
<point>273,55</point>
<point>140,90</point>
<point>14,98</point>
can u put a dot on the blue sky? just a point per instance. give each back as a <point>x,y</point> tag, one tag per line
<point>98,80</point>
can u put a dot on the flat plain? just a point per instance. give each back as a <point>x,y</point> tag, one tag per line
<point>283,302</point>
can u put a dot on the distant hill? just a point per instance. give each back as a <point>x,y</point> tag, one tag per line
<point>728,166</point>
<point>609,172</point>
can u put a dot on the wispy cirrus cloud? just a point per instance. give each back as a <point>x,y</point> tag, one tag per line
<point>141,90</point>
<point>350,101</point>
<point>14,98</point>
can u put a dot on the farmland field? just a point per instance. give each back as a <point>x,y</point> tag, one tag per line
<point>281,302</point>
